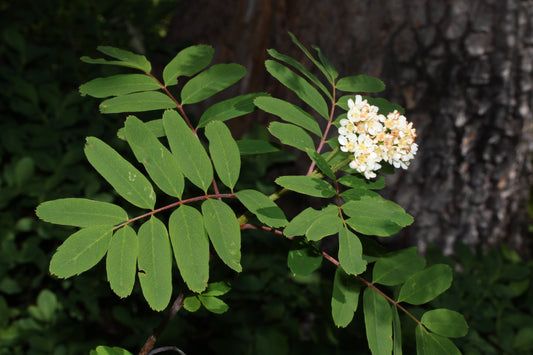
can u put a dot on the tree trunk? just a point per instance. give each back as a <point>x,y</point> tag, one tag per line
<point>462,70</point>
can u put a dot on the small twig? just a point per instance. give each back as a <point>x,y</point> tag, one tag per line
<point>149,345</point>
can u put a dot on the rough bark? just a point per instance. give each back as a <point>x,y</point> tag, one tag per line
<point>461,68</point>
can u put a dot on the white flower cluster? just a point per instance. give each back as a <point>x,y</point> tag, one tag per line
<point>373,138</point>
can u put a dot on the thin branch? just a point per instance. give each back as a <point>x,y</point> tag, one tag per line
<point>149,344</point>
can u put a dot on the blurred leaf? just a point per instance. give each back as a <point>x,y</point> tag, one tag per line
<point>351,252</point>
<point>224,232</point>
<point>117,85</point>
<point>433,344</point>
<point>378,322</point>
<point>124,177</point>
<point>264,208</point>
<point>213,304</point>
<point>310,56</point>
<point>187,62</point>
<point>295,64</point>
<point>228,109</point>
<point>81,251</point>
<point>394,268</point>
<point>121,261</point>
<point>307,185</point>
<point>523,341</point>
<point>362,183</point>
<point>288,112</point>
<point>373,215</point>
<point>106,350</point>
<point>256,146</point>
<point>299,85</point>
<point>192,303</point>
<point>191,246</point>
<point>360,83</point>
<point>137,102</point>
<point>24,170</point>
<point>126,59</point>
<point>224,153</point>
<point>191,155</point>
<point>81,212</point>
<point>155,264</point>
<point>303,259</point>
<point>47,305</point>
<point>445,322</point>
<point>211,81</point>
<point>160,164</point>
<point>292,135</point>
<point>321,163</point>
<point>345,297</point>
<point>425,285</point>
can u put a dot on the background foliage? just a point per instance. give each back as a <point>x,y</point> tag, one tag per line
<point>44,122</point>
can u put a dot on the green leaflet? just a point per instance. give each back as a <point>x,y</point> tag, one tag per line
<point>217,289</point>
<point>433,344</point>
<point>160,164</point>
<point>345,297</point>
<point>191,155</point>
<point>351,252</point>
<point>80,212</point>
<point>256,146</point>
<point>360,83</point>
<point>191,246</point>
<point>328,66</point>
<point>125,59</point>
<point>378,322</point>
<point>303,259</point>
<point>124,177</point>
<point>425,285</point>
<point>192,303</point>
<point>121,261</point>
<point>224,152</point>
<point>117,85</point>
<point>155,264</point>
<point>307,185</point>
<point>264,208</point>
<point>288,112</point>
<point>396,332</point>
<point>299,85</point>
<point>213,304</point>
<point>321,163</point>
<point>295,64</point>
<point>310,56</point>
<point>228,109</point>
<point>211,81</point>
<point>445,322</point>
<point>137,102</point>
<point>328,223</point>
<point>81,251</point>
<point>301,224</point>
<point>155,126</point>
<point>224,232</point>
<point>292,135</point>
<point>106,350</point>
<point>374,215</point>
<point>187,62</point>
<point>394,268</point>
